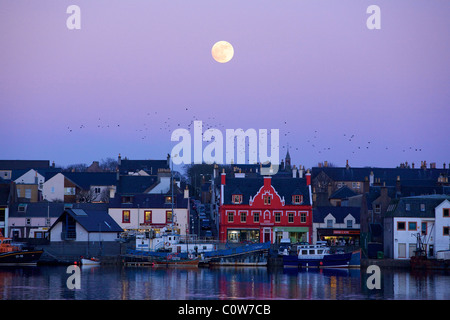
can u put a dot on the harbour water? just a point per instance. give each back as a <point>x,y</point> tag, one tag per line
<point>147,283</point>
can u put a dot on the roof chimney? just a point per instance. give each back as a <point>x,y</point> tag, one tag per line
<point>119,160</point>
<point>186,192</point>
<point>300,171</point>
<point>346,165</point>
<point>308,178</point>
<point>294,172</point>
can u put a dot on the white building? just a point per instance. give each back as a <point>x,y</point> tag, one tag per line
<point>413,220</point>
<point>141,212</point>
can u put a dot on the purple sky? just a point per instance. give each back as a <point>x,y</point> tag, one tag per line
<point>312,64</point>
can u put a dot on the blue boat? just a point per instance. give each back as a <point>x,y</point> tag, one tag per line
<point>316,256</point>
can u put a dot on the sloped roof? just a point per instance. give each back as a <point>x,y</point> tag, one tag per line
<point>52,209</point>
<point>92,220</point>
<point>397,208</point>
<point>150,166</point>
<point>135,184</point>
<point>23,164</point>
<point>150,201</point>
<point>388,175</point>
<point>249,187</point>
<point>343,193</point>
<point>87,179</point>
<point>339,213</point>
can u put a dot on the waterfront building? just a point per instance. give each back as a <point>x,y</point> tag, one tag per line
<point>259,208</point>
<point>420,222</point>
<point>336,225</point>
<point>84,224</point>
<point>140,212</point>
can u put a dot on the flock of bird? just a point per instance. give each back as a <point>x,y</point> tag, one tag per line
<point>309,143</point>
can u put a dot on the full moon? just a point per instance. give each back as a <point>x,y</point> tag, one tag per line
<point>222,51</point>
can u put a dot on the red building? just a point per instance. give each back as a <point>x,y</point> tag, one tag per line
<point>262,209</point>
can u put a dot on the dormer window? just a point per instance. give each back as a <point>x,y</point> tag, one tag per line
<point>297,199</point>
<point>127,199</point>
<point>22,208</point>
<point>236,199</point>
<point>267,200</point>
<point>169,199</point>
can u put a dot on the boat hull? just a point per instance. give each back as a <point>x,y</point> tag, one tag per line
<point>89,262</point>
<point>341,260</point>
<point>20,258</point>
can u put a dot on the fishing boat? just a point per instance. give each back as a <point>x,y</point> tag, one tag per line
<point>15,255</point>
<point>316,256</point>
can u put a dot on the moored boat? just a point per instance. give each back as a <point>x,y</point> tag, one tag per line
<point>90,262</point>
<point>15,255</point>
<point>317,256</point>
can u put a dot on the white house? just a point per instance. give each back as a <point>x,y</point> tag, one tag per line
<point>151,211</point>
<point>336,225</point>
<point>31,177</point>
<point>82,225</point>
<point>412,221</point>
<point>53,188</point>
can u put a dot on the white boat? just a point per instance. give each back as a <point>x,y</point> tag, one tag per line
<point>90,262</point>
<point>174,243</point>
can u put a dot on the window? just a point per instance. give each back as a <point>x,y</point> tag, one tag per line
<point>304,252</point>
<point>446,212</point>
<point>446,231</point>
<point>97,190</point>
<point>169,216</point>
<point>329,223</point>
<point>28,222</point>
<point>28,193</point>
<point>267,200</point>
<point>230,216</point>
<point>356,185</point>
<point>412,226</point>
<point>349,223</point>
<point>127,199</point>
<point>53,190</point>
<point>22,208</point>
<point>378,208</point>
<point>169,199</point>
<point>277,216</point>
<point>256,217</point>
<point>422,207</point>
<point>147,216</point>
<point>125,216</point>
<point>243,216</point>
<point>297,199</point>
<point>424,228</point>
<point>236,198</point>
<point>18,193</point>
<point>69,191</point>
<point>303,217</point>
<point>401,225</point>
<point>408,207</point>
<point>291,217</point>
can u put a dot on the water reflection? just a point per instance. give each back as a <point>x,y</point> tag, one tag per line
<point>129,283</point>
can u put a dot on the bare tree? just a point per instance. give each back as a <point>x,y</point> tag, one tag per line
<point>109,164</point>
<point>86,196</point>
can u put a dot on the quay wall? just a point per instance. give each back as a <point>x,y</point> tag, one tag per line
<point>68,252</point>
